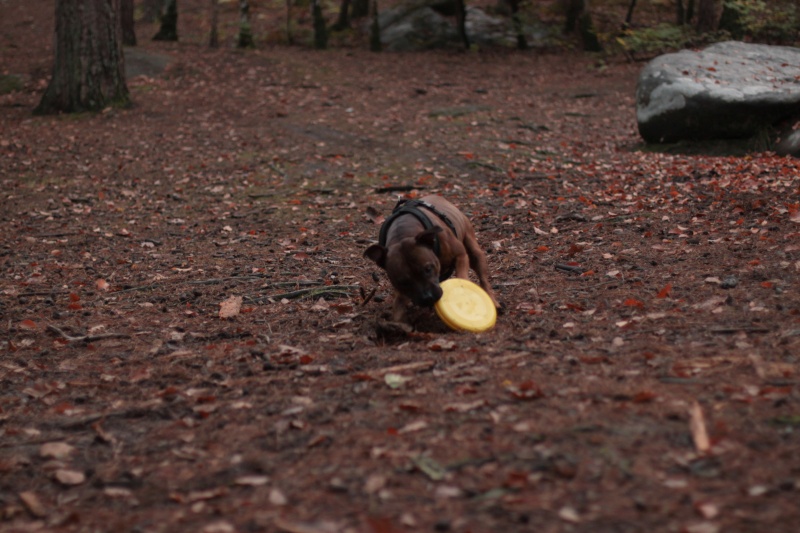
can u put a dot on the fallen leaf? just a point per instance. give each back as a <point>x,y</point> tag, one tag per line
<point>395,381</point>
<point>664,292</point>
<point>27,324</point>
<point>69,477</point>
<point>464,407</point>
<point>230,307</point>
<point>441,345</point>
<point>33,504</point>
<point>277,497</point>
<point>252,480</point>
<point>569,514</point>
<point>374,483</point>
<point>56,450</point>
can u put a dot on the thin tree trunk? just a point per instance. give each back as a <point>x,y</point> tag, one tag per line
<point>289,36</point>
<point>461,22</point>
<point>169,22</point>
<point>89,66</point>
<point>375,44</point>
<point>707,16</point>
<point>591,43</point>
<point>522,42</point>
<point>126,16</point>
<point>629,15</point>
<point>245,39</point>
<point>360,9</point>
<point>320,31</point>
<point>213,37</point>
<point>573,11</point>
<point>343,22</point>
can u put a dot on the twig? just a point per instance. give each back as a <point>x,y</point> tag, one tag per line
<point>87,338</point>
<point>420,366</point>
<point>570,268</point>
<point>369,296</point>
<point>571,216</point>
<point>338,291</point>
<point>397,188</point>
<point>41,293</point>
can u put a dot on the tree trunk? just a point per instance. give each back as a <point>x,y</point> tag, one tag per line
<point>213,36</point>
<point>360,9</point>
<point>707,16</point>
<point>89,68</point>
<point>245,39</point>
<point>343,22</point>
<point>591,43</point>
<point>375,44</point>
<point>461,22</point>
<point>573,10</point>
<point>680,14</point>
<point>731,21</point>
<point>629,14</point>
<point>126,15</point>
<point>289,36</point>
<point>320,31</point>
<point>169,22</point>
<point>522,42</point>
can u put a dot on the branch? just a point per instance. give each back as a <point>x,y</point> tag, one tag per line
<point>87,338</point>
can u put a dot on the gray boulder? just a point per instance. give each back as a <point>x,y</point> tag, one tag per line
<point>417,27</point>
<point>426,24</point>
<point>726,91</point>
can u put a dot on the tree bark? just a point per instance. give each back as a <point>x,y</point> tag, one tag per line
<point>461,22</point>
<point>213,36</point>
<point>360,9</point>
<point>572,12</point>
<point>522,42</point>
<point>375,44</point>
<point>629,14</point>
<point>289,36</point>
<point>320,30</point>
<point>126,15</point>
<point>343,22</point>
<point>245,39</point>
<point>89,66</point>
<point>591,43</point>
<point>707,16</point>
<point>169,22</point>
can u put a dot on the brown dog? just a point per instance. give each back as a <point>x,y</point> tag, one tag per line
<point>422,243</point>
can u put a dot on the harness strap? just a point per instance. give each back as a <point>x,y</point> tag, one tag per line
<point>412,207</point>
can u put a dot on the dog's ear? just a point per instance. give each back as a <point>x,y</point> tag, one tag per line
<point>377,253</point>
<point>428,237</point>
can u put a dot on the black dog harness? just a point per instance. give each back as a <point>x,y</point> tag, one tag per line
<point>412,207</point>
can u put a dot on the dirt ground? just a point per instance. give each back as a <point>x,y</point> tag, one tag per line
<point>643,376</point>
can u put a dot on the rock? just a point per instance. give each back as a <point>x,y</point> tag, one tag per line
<point>729,90</point>
<point>404,29</point>
<point>427,24</point>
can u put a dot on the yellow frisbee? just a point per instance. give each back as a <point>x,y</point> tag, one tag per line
<point>464,306</point>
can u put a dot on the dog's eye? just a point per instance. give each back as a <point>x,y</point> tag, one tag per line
<point>430,269</point>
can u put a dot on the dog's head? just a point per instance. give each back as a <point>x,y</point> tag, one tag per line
<point>412,266</point>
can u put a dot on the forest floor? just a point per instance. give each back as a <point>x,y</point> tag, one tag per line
<point>643,376</point>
